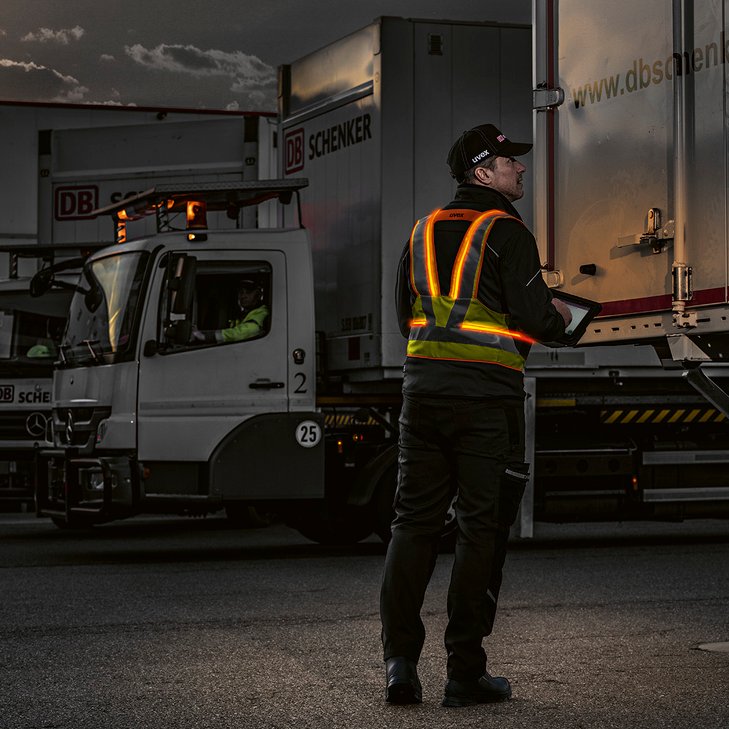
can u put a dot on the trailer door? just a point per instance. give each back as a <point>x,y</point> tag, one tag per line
<point>632,163</point>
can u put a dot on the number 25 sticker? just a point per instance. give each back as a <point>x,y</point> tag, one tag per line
<point>308,433</point>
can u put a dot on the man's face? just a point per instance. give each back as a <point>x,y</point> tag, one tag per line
<point>248,298</point>
<point>506,177</point>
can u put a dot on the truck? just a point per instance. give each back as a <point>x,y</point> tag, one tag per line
<point>30,331</point>
<point>62,161</point>
<point>303,419</point>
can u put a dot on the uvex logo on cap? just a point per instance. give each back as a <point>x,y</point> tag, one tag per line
<point>480,156</point>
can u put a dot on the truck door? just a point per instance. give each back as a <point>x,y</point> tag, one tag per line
<point>630,153</point>
<point>233,364</point>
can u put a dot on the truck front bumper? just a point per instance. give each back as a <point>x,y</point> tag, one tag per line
<point>92,489</point>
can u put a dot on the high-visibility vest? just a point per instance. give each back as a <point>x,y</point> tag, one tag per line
<point>457,326</point>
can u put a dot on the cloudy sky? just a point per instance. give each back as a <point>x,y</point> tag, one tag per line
<point>216,54</point>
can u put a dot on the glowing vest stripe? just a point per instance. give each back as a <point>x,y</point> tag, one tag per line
<point>458,326</point>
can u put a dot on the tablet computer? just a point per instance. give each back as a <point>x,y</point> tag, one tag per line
<point>583,312</point>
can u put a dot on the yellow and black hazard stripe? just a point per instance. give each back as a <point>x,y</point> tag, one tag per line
<point>659,415</point>
<point>344,420</point>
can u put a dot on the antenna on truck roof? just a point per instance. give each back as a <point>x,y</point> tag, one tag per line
<point>194,199</point>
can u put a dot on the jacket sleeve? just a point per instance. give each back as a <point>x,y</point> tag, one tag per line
<point>403,295</point>
<point>251,326</point>
<point>527,298</point>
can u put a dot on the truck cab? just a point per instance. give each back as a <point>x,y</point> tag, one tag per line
<point>149,416</point>
<point>30,332</point>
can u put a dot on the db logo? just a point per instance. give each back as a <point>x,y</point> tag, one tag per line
<point>76,203</point>
<point>294,150</point>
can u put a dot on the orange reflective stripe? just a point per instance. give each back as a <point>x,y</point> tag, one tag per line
<point>424,227</point>
<point>457,273</point>
<point>455,214</point>
<point>489,329</point>
<point>415,323</point>
<point>431,267</point>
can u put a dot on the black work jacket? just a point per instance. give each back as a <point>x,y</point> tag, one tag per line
<point>511,283</point>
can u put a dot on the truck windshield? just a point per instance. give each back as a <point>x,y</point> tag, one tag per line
<point>102,317</point>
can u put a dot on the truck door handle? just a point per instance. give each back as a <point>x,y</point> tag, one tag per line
<point>266,385</point>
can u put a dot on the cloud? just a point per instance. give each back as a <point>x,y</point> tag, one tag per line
<point>247,73</point>
<point>106,57</point>
<point>28,81</point>
<point>63,36</point>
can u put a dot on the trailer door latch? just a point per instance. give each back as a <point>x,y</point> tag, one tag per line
<point>656,235</point>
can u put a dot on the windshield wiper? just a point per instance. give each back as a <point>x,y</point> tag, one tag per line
<point>95,350</point>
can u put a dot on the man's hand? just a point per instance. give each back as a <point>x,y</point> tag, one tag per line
<point>563,309</point>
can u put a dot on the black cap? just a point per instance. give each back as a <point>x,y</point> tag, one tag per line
<point>248,284</point>
<point>477,144</point>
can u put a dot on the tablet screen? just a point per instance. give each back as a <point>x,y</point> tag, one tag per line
<point>583,312</point>
<point>579,312</point>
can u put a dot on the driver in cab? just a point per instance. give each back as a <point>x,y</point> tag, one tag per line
<point>250,323</point>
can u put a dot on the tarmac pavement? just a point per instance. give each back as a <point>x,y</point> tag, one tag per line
<point>189,623</point>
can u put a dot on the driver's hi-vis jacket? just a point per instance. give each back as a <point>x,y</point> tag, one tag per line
<point>455,325</point>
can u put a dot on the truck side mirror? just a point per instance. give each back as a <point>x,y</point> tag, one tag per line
<point>41,282</point>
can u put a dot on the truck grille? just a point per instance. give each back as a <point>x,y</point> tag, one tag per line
<point>30,425</point>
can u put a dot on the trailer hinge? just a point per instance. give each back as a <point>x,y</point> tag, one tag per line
<point>655,235</point>
<point>544,99</point>
<point>683,291</point>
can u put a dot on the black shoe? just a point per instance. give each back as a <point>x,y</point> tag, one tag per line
<point>403,685</point>
<point>486,690</point>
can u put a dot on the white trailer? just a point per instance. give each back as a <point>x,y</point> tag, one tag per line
<point>631,210</point>
<point>369,120</point>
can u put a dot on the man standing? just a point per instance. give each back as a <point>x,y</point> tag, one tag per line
<point>471,300</point>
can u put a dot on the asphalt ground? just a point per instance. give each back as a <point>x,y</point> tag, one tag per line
<point>189,623</point>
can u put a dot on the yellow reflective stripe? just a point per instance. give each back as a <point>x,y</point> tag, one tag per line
<point>612,418</point>
<point>464,353</point>
<point>645,416</point>
<point>661,416</point>
<point>490,329</point>
<point>442,307</point>
<point>676,416</point>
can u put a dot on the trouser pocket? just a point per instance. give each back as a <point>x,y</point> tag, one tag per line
<point>511,490</point>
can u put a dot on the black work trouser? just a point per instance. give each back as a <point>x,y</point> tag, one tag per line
<point>473,449</point>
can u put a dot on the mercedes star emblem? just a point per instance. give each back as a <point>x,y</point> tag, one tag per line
<point>35,424</point>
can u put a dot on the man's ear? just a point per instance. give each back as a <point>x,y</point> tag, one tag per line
<point>483,175</point>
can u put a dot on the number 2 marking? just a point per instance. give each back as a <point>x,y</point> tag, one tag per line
<point>300,387</point>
